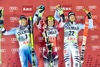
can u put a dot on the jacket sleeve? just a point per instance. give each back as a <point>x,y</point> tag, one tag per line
<point>81,26</point>
<point>59,19</point>
<point>91,23</point>
<point>10,32</point>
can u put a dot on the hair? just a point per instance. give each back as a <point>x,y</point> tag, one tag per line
<point>71,13</point>
<point>50,17</point>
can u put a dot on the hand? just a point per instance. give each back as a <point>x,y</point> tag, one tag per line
<point>41,8</point>
<point>59,9</point>
<point>44,26</point>
<point>88,13</point>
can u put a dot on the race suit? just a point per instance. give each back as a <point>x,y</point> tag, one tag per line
<point>52,33</point>
<point>23,37</point>
<point>71,31</point>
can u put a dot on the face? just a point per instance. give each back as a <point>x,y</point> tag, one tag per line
<point>50,23</point>
<point>72,18</point>
<point>22,22</point>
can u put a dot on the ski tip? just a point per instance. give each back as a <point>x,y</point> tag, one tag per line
<point>84,9</point>
<point>30,18</point>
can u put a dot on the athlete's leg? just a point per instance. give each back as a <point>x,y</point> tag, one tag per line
<point>75,55</point>
<point>55,57</point>
<point>35,59</point>
<point>30,58</point>
<point>45,58</point>
<point>67,55</point>
<point>23,58</point>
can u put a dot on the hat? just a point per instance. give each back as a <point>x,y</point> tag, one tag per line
<point>71,13</point>
<point>23,17</point>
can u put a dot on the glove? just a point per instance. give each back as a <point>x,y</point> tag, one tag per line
<point>59,9</point>
<point>41,8</point>
<point>88,13</point>
<point>1,22</point>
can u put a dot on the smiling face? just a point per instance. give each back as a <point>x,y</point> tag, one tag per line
<point>22,22</point>
<point>50,23</point>
<point>72,18</point>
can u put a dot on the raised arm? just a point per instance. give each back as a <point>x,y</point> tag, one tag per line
<point>2,29</point>
<point>10,32</point>
<point>59,16</point>
<point>90,20</point>
<point>38,14</point>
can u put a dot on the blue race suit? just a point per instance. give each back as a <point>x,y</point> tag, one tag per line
<point>71,31</point>
<point>23,37</point>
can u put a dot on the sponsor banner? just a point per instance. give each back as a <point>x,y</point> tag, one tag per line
<point>27,8</point>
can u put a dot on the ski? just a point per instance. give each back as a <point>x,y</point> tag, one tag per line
<point>30,22</point>
<point>85,33</point>
<point>1,25</point>
<point>49,50</point>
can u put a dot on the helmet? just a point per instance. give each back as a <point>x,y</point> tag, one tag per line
<point>50,17</point>
<point>23,17</point>
<point>71,13</point>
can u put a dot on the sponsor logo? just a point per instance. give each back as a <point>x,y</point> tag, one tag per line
<point>2,39</point>
<point>13,8</point>
<point>78,8</point>
<point>92,7</point>
<point>13,40</point>
<point>2,50</point>
<point>12,19</point>
<point>94,37</point>
<point>95,47</point>
<point>14,50</point>
<point>27,8</point>
<point>80,17</point>
<point>67,8</point>
<point>40,39</point>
